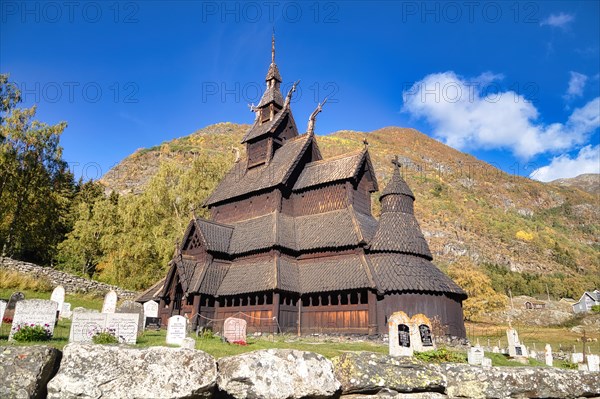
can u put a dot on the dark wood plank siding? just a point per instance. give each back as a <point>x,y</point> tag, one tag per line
<point>247,208</point>
<point>322,199</point>
<point>448,310</point>
<point>361,197</point>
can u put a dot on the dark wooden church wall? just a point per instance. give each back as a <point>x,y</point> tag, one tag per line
<point>337,312</point>
<point>256,308</point>
<point>322,199</point>
<point>447,309</point>
<point>361,198</point>
<point>257,152</point>
<point>247,208</point>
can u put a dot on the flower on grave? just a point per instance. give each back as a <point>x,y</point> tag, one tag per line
<point>241,343</point>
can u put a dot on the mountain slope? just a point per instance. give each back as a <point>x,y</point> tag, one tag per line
<point>466,207</point>
<point>589,182</point>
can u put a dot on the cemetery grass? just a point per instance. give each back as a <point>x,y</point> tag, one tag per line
<point>88,301</point>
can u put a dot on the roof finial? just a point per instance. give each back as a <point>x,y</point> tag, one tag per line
<point>396,162</point>
<point>366,142</point>
<point>273,47</point>
<point>288,98</point>
<point>311,121</point>
<point>193,211</point>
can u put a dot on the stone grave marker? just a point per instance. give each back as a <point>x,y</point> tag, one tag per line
<point>34,311</point>
<point>110,302</point>
<point>133,307</point>
<point>58,296</point>
<point>176,330</point>
<point>420,329</point>
<point>515,348</point>
<point>151,318</point>
<point>124,325</point>
<point>399,335</point>
<point>475,355</point>
<point>2,309</point>
<point>234,329</point>
<point>188,343</point>
<point>486,362</point>
<point>548,355</point>
<point>9,312</point>
<point>152,323</point>
<point>577,357</point>
<point>66,311</point>
<point>85,325</point>
<point>593,362</point>
<point>495,349</point>
<point>81,309</point>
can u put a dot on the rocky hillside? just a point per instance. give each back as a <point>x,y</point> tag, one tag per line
<point>466,207</point>
<point>589,182</point>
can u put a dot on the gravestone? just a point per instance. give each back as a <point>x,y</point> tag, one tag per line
<point>234,330</point>
<point>593,362</point>
<point>58,296</point>
<point>2,309</point>
<point>577,357</point>
<point>548,355</point>
<point>110,302</point>
<point>85,325</point>
<point>9,312</point>
<point>152,323</point>
<point>133,307</point>
<point>125,326</point>
<point>420,329</point>
<point>176,330</point>
<point>81,309</point>
<point>66,311</point>
<point>486,362</point>
<point>34,311</point>
<point>150,309</point>
<point>515,348</point>
<point>188,343</point>
<point>495,349</point>
<point>399,335</point>
<point>475,355</point>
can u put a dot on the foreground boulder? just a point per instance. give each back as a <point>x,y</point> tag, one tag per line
<point>366,372</point>
<point>277,374</point>
<point>519,382</point>
<point>107,371</point>
<point>26,370</point>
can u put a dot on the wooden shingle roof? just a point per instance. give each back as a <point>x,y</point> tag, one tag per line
<point>240,181</point>
<point>249,275</point>
<point>217,236</point>
<point>400,232</point>
<point>397,185</point>
<point>332,274</point>
<point>153,293</point>
<point>401,272</point>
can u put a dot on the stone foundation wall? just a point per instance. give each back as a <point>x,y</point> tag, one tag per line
<point>70,282</point>
<point>116,371</point>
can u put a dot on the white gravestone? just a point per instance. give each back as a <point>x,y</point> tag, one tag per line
<point>66,313</point>
<point>515,348</point>
<point>58,296</point>
<point>475,355</point>
<point>124,325</point>
<point>110,302</point>
<point>176,330</point>
<point>399,335</point>
<point>85,325</point>
<point>150,310</point>
<point>577,357</point>
<point>234,329</point>
<point>548,355</point>
<point>495,349</point>
<point>2,309</point>
<point>34,311</point>
<point>133,307</point>
<point>188,343</point>
<point>593,362</point>
<point>420,333</point>
<point>486,362</point>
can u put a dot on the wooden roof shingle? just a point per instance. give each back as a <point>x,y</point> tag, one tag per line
<point>332,274</point>
<point>400,232</point>
<point>249,275</point>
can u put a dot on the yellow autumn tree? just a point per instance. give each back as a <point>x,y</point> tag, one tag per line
<point>482,297</point>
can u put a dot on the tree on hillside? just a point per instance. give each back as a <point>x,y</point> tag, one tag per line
<point>482,297</point>
<point>35,183</point>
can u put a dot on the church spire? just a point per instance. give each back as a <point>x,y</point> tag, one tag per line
<point>273,47</point>
<point>397,185</point>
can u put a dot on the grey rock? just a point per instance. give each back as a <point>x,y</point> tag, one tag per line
<point>120,372</point>
<point>26,370</point>
<point>277,374</point>
<point>366,372</point>
<point>396,395</point>
<point>519,382</point>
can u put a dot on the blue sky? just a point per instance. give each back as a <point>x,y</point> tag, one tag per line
<point>513,83</point>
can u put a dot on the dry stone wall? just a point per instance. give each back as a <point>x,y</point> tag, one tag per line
<point>124,372</point>
<point>70,282</point>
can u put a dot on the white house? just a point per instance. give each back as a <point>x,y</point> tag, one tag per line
<point>588,299</point>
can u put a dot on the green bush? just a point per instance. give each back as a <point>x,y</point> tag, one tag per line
<point>596,308</point>
<point>105,337</point>
<point>32,333</point>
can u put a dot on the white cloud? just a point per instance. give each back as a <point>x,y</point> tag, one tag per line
<point>466,114</point>
<point>576,85</point>
<point>560,20</point>
<point>587,161</point>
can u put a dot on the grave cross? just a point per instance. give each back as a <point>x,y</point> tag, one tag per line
<point>584,339</point>
<point>396,162</point>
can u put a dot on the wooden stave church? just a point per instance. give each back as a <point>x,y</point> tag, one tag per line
<point>291,236</point>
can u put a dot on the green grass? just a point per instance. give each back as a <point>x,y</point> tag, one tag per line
<point>78,300</point>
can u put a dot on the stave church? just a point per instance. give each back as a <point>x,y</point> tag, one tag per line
<point>291,243</point>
